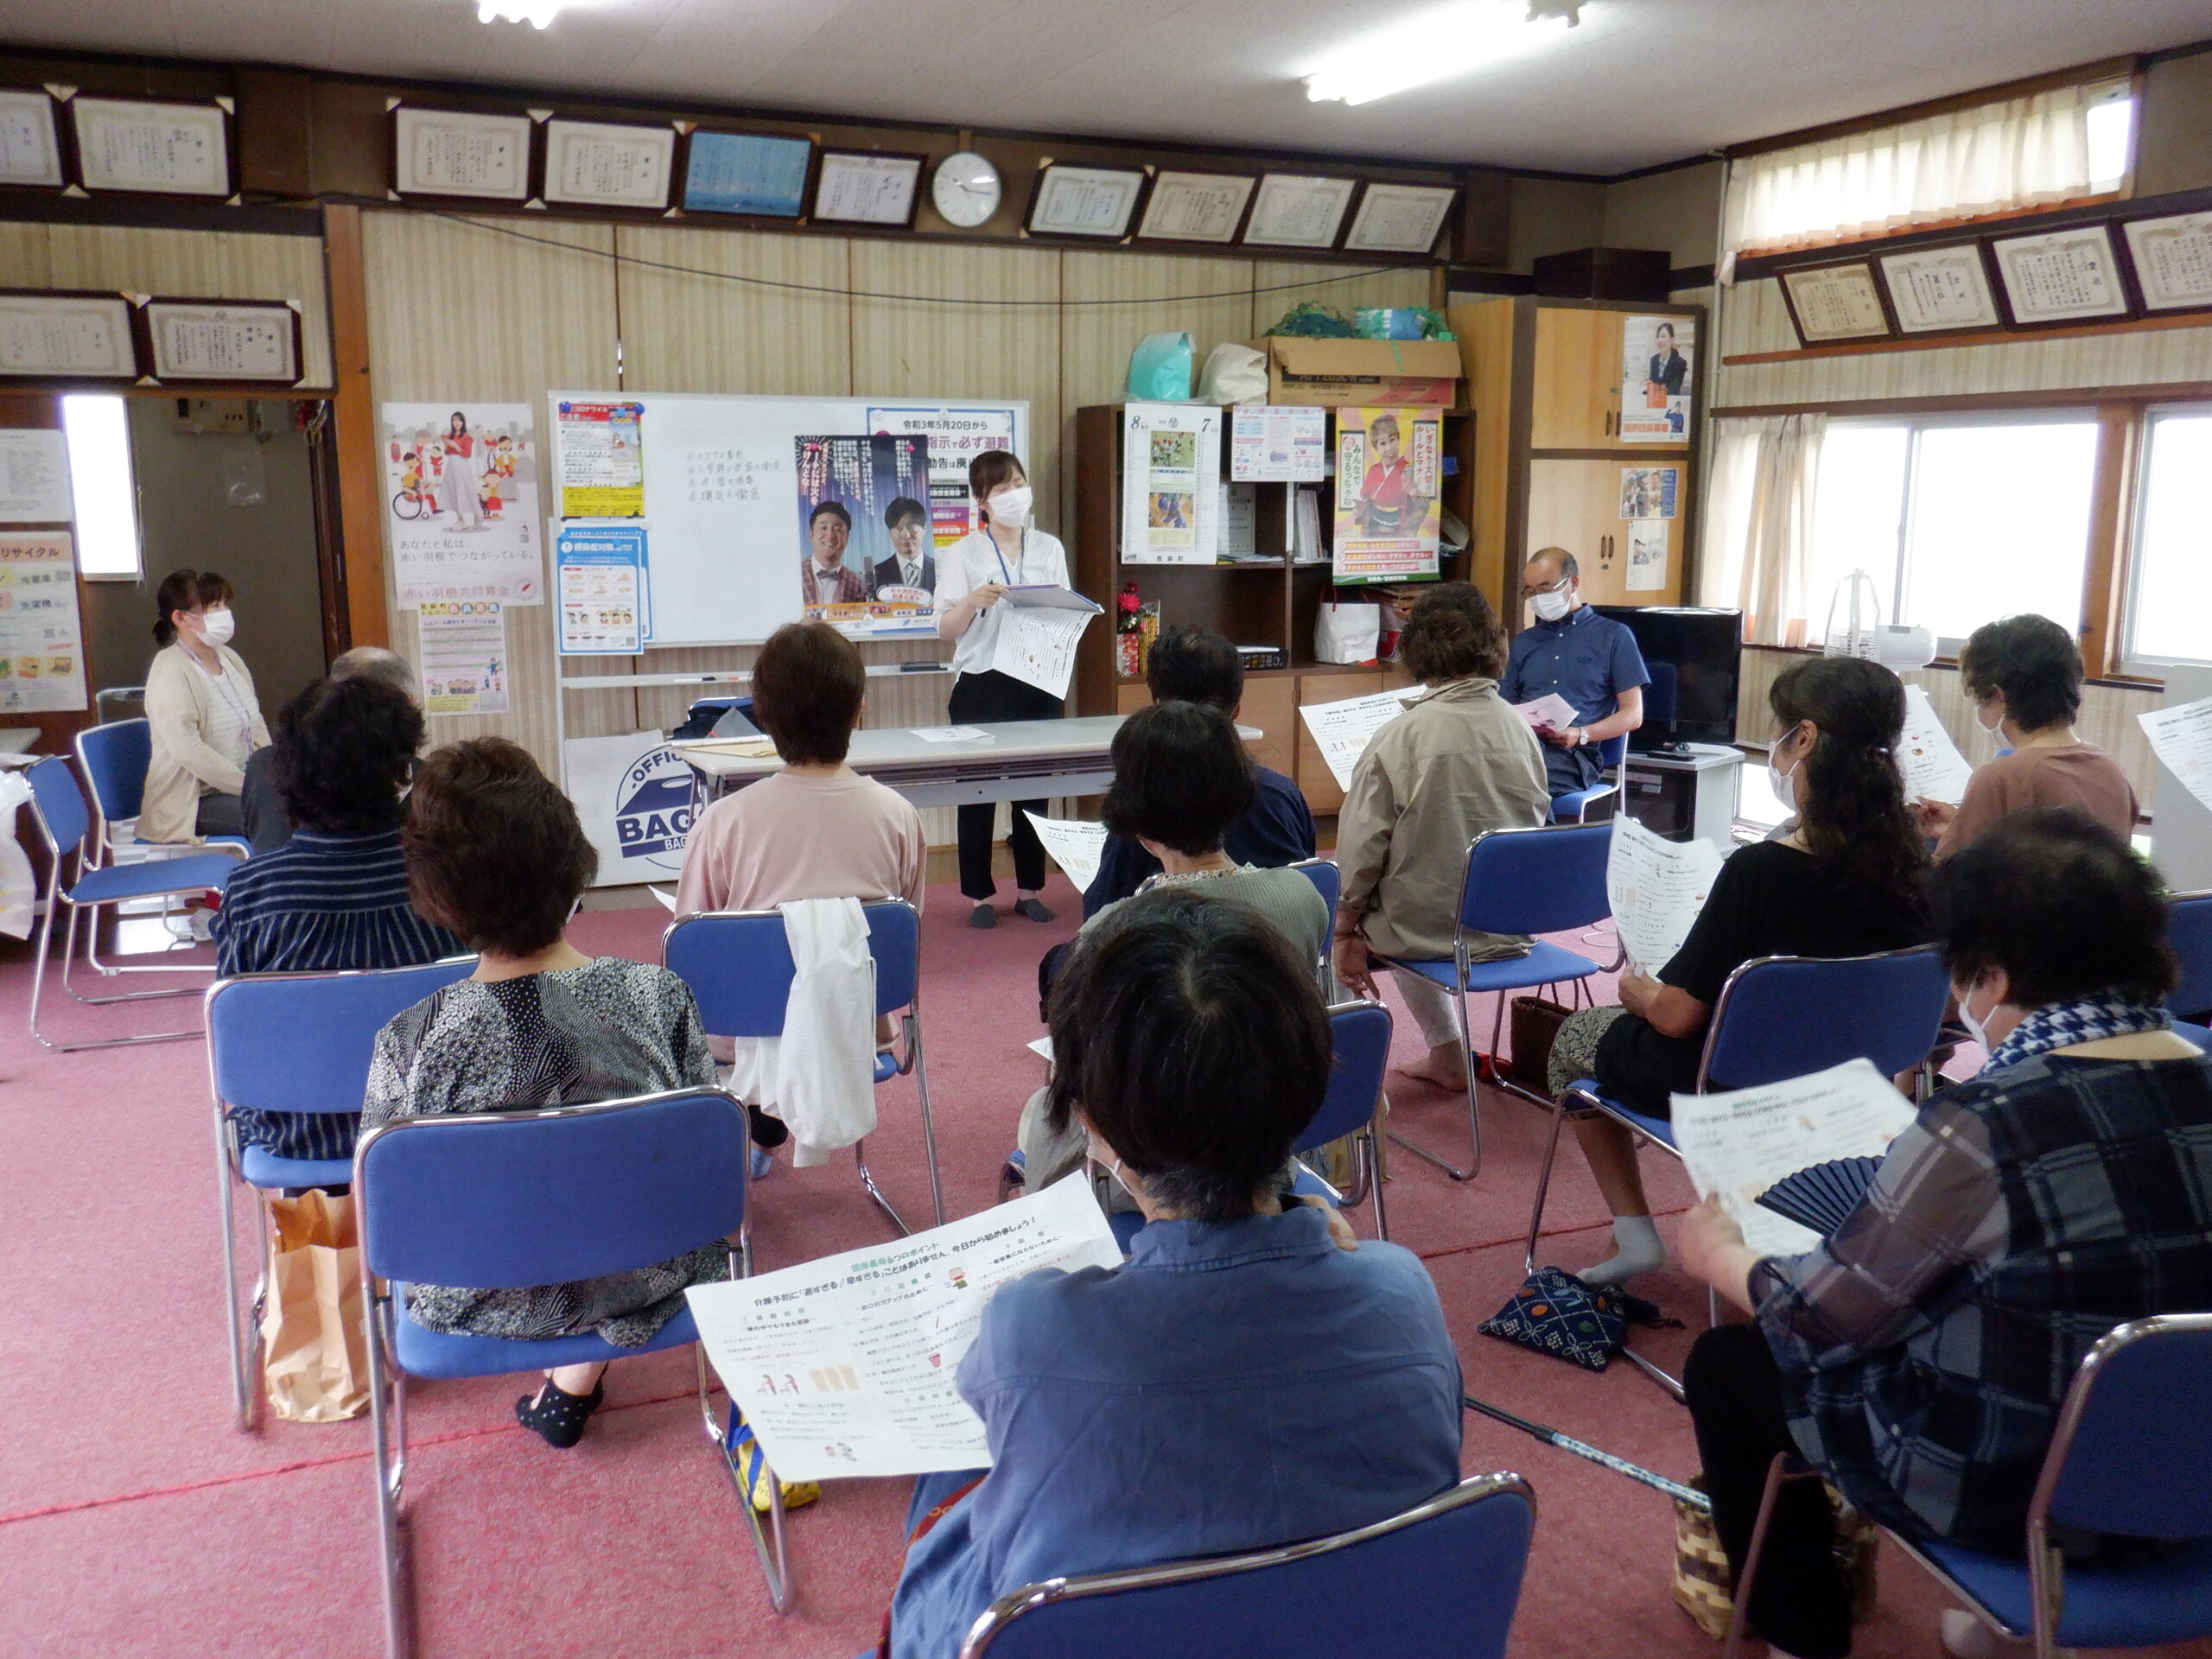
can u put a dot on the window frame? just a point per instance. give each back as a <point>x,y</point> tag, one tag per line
<point>2125,657</point>
<point>136,574</point>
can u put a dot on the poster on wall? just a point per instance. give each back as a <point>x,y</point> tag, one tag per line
<point>1389,516</point>
<point>600,579</point>
<point>462,651</point>
<point>600,459</point>
<point>460,502</point>
<point>1171,483</point>
<point>1283,443</point>
<point>1658,355</point>
<point>956,437</point>
<point>633,795</point>
<point>1647,555</point>
<point>866,561</point>
<point>34,476</point>
<point>41,644</point>
<point>1650,491</point>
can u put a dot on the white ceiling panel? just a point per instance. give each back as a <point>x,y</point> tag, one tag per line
<point>1640,82</point>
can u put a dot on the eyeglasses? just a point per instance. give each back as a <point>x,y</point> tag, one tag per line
<point>1526,592</point>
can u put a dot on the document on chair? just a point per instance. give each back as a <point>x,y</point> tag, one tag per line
<point>1657,887</point>
<point>1928,761</point>
<point>1740,1141</point>
<point>1550,710</point>
<point>2182,739</point>
<point>1076,846</point>
<point>1341,730</point>
<point>845,1366</point>
<point>1037,642</point>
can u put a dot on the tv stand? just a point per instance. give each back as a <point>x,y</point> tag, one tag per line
<point>1685,791</point>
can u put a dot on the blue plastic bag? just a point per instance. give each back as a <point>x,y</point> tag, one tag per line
<point>1159,369</point>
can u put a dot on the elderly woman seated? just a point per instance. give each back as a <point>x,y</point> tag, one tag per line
<point>1242,1380</point>
<point>1918,1357</point>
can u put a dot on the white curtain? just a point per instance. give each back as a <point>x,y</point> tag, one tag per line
<point>2017,152</point>
<point>1758,522</point>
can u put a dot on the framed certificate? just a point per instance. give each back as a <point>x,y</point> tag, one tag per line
<point>30,140</point>
<point>1088,201</point>
<point>61,335</point>
<point>139,146</point>
<point>215,340</point>
<point>1942,290</point>
<point>1400,217</point>
<point>2172,258</point>
<point>461,152</point>
<point>1186,206</point>
<point>760,174</point>
<point>2060,276</point>
<point>1832,304</point>
<point>1294,209</point>
<point>590,164</point>
<point>869,186</point>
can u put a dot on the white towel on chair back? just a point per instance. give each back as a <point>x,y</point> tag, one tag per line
<point>18,888</point>
<point>819,1077</point>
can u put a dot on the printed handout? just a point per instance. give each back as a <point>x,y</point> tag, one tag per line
<point>1076,846</point>
<point>1342,729</point>
<point>951,733</point>
<point>845,1366</point>
<point>1657,887</point>
<point>1037,641</point>
<point>2182,739</point>
<point>1928,761</point>
<point>1740,1141</point>
<point>1550,710</point>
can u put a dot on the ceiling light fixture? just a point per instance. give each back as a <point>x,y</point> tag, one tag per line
<point>1472,35</point>
<point>537,12</point>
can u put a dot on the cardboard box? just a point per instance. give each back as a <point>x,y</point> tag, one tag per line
<point>1374,373</point>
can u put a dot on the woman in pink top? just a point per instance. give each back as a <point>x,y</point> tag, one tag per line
<point>2025,675</point>
<point>817,828</point>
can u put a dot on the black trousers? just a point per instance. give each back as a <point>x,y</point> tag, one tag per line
<point>980,700</point>
<point>1800,1602</point>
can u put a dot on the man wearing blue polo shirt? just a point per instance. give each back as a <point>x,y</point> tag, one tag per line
<point>1590,661</point>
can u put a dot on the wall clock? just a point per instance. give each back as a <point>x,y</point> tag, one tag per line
<point>966,189</point>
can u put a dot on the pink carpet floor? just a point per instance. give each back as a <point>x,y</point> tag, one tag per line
<point>136,1520</point>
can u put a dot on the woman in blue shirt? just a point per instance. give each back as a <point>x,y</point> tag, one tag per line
<point>1244,1380</point>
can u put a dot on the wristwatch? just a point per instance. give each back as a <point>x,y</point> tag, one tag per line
<point>1580,736</point>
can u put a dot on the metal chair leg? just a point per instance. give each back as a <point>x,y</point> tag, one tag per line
<point>768,1544</point>
<point>69,950</point>
<point>1474,1117</point>
<point>387,1414</point>
<point>120,996</point>
<point>929,1123</point>
<point>868,1181</point>
<point>243,1393</point>
<point>1369,1153</point>
<point>1777,1472</point>
<point>1543,1186</point>
<point>1665,1380</point>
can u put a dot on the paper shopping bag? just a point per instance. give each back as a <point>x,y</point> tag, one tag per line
<point>313,1334</point>
<point>1347,633</point>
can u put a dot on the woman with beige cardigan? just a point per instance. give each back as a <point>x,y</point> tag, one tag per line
<point>202,712</point>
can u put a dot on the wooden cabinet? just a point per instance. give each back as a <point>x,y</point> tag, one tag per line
<point>1315,781</point>
<point>1270,707</point>
<point>1547,375</point>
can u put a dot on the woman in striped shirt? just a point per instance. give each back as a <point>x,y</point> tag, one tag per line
<point>335,895</point>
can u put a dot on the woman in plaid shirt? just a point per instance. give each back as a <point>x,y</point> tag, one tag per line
<point>1920,1354</point>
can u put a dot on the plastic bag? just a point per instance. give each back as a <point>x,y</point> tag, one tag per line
<point>1346,634</point>
<point>1159,369</point>
<point>1233,374</point>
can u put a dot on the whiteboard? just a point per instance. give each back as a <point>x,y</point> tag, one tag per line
<point>726,571</point>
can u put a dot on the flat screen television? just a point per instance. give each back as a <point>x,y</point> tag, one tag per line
<point>1694,656</point>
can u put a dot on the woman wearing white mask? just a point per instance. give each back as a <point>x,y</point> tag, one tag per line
<point>1847,880</point>
<point>204,717</point>
<point>1006,552</point>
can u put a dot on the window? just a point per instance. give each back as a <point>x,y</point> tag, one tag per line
<point>2009,155</point>
<point>102,485</point>
<point>1959,521</point>
<point>2171,617</point>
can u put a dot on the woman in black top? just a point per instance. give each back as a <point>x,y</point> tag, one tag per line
<point>1845,881</point>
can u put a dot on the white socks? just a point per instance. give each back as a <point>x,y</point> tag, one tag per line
<point>1637,1249</point>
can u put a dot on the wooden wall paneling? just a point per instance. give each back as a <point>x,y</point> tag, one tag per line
<point>211,264</point>
<point>26,256</point>
<point>700,333</point>
<point>455,311</point>
<point>353,415</point>
<point>2104,597</point>
<point>1485,329</point>
<point>1096,340</point>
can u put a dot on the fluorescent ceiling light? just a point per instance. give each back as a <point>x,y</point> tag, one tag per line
<point>540,12</point>
<point>1436,46</point>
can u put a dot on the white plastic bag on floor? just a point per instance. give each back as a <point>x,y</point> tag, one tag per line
<point>18,891</point>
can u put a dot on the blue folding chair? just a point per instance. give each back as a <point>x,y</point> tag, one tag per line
<point>1439,1581</point>
<point>292,1042</point>
<point>739,967</point>
<point>2132,1456</point>
<point>509,1200</point>
<point>113,758</point>
<point>1545,879</point>
<point>2189,931</point>
<point>57,807</point>
<point>1359,1035</point>
<point>1573,807</point>
<point>1783,1017</point>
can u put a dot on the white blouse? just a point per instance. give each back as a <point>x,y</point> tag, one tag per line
<point>976,559</point>
<point>230,717</point>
